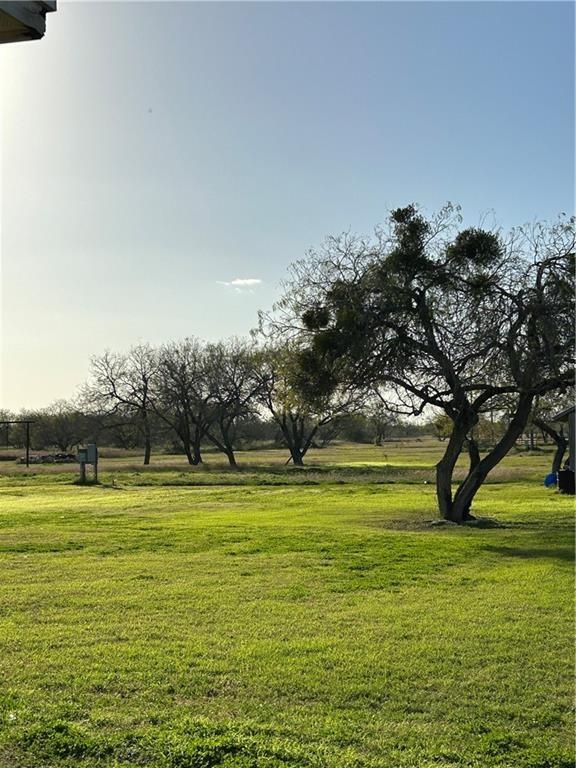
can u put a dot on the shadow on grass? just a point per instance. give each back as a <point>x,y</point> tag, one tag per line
<point>565,554</point>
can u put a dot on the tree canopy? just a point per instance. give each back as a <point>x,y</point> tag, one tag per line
<point>464,320</point>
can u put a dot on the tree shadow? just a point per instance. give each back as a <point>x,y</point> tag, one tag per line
<point>555,553</point>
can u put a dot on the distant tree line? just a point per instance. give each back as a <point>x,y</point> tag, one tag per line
<point>199,422</point>
<point>191,397</point>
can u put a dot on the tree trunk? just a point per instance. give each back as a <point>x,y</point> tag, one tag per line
<point>188,451</point>
<point>183,432</point>
<point>473,452</point>
<point>196,450</point>
<point>309,440</point>
<point>147,439</point>
<point>225,445</point>
<point>292,439</point>
<point>296,444</point>
<point>444,488</point>
<point>560,440</point>
<point>445,471</point>
<point>228,431</point>
<point>477,474</point>
<point>297,457</point>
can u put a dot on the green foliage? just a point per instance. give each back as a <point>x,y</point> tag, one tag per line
<point>442,426</point>
<point>316,318</point>
<point>409,254</point>
<point>313,377</point>
<point>476,247</point>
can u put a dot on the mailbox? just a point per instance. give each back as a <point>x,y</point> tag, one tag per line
<point>88,455</point>
<point>91,454</point>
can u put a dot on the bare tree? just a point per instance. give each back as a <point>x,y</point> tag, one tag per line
<point>62,424</point>
<point>122,384</point>
<point>183,396</point>
<point>233,384</point>
<point>381,416</point>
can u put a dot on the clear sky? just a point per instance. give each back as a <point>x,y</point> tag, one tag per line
<point>153,153</point>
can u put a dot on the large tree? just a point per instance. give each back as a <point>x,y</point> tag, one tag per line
<point>459,319</point>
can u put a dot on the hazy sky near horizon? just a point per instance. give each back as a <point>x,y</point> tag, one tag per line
<point>163,163</point>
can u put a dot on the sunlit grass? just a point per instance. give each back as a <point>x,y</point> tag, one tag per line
<point>154,621</point>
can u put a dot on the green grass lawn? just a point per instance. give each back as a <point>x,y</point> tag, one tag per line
<point>273,618</point>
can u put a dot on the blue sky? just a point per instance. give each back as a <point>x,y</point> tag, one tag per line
<point>153,153</point>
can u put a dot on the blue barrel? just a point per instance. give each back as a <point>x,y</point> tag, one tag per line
<point>550,480</point>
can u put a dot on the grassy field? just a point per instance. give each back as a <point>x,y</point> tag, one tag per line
<point>402,460</point>
<point>274,618</point>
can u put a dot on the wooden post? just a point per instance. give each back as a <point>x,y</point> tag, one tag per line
<point>572,441</point>
<point>27,443</point>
